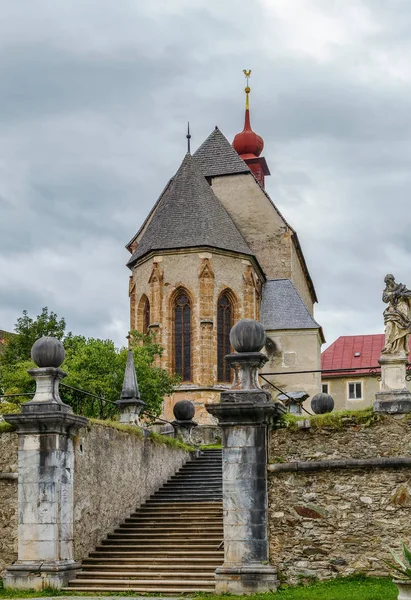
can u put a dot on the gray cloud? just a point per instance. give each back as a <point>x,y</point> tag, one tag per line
<point>94,100</point>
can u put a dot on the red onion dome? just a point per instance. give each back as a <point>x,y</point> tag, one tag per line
<point>248,142</point>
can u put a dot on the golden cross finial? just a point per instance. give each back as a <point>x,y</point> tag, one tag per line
<point>247,89</point>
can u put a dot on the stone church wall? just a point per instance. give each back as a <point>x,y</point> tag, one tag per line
<point>263,228</point>
<point>338,521</point>
<point>115,472</point>
<point>204,276</point>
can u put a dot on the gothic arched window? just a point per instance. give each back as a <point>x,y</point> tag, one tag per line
<point>224,324</point>
<point>182,335</point>
<point>146,315</point>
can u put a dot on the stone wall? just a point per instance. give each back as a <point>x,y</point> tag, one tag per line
<point>115,472</point>
<point>8,500</point>
<point>338,521</point>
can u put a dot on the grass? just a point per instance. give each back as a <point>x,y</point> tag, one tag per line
<point>349,588</point>
<point>6,427</point>
<point>335,420</point>
<point>156,438</point>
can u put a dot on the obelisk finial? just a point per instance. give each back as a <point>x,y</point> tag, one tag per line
<point>247,88</point>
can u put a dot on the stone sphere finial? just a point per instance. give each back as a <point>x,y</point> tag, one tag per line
<point>322,403</point>
<point>184,410</point>
<point>247,335</point>
<point>48,352</point>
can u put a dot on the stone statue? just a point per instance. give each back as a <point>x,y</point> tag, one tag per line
<point>397,317</point>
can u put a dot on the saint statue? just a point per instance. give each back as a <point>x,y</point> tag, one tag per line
<point>397,317</point>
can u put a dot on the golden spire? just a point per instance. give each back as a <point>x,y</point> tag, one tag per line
<point>247,88</point>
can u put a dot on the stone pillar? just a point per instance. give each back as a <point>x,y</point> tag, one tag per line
<point>248,292</point>
<point>206,345</point>
<point>183,425</point>
<point>245,414</point>
<point>132,296</point>
<point>45,482</point>
<point>394,396</point>
<point>156,281</point>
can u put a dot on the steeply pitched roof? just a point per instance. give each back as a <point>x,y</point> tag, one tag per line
<point>189,215</point>
<point>342,354</point>
<point>283,308</point>
<point>216,156</point>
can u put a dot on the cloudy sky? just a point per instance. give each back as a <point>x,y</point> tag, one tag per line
<point>94,100</point>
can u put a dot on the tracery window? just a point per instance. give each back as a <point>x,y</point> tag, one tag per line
<point>182,335</point>
<point>224,324</point>
<point>146,315</point>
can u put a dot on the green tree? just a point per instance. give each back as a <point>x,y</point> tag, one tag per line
<point>27,331</point>
<point>93,365</point>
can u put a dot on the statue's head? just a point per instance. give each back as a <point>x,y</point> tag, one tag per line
<point>389,279</point>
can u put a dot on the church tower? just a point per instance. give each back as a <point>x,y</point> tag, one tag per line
<point>214,249</point>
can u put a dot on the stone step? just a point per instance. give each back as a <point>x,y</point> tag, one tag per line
<point>173,569</point>
<point>159,537</point>
<point>160,511</point>
<point>155,554</point>
<point>163,544</point>
<point>191,487</point>
<point>149,582</point>
<point>120,574</point>
<point>170,520</point>
<point>170,526</point>
<point>201,505</point>
<point>169,529</point>
<point>144,562</point>
<point>160,499</point>
<point>170,562</point>
<point>167,588</point>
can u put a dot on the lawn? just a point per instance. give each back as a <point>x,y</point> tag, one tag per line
<point>352,588</point>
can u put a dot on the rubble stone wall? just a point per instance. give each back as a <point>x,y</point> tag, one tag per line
<point>8,500</point>
<point>339,521</point>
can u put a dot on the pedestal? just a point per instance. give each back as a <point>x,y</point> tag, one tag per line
<point>394,396</point>
<point>244,417</point>
<point>45,496</point>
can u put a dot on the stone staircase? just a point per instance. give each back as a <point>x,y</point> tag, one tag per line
<point>172,544</point>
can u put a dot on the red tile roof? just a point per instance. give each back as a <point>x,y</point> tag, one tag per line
<point>341,354</point>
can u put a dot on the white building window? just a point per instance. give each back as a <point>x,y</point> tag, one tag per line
<point>354,390</point>
<point>325,388</point>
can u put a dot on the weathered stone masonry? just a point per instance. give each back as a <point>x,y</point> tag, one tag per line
<point>339,521</point>
<point>8,500</point>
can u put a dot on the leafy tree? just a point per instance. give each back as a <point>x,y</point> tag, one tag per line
<point>27,331</point>
<point>93,365</point>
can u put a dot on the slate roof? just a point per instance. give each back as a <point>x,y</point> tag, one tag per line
<point>189,215</point>
<point>283,308</point>
<point>341,354</point>
<point>216,156</point>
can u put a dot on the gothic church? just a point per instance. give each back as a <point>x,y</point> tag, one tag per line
<point>215,249</point>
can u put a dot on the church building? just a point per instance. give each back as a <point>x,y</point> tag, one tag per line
<point>215,249</point>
